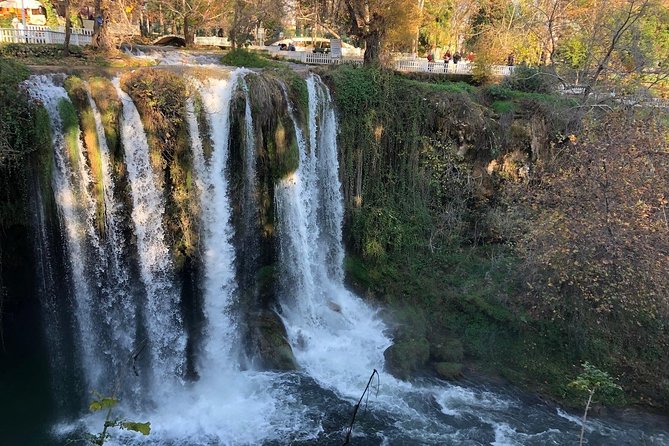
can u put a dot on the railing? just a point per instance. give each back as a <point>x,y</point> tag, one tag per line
<point>424,66</point>
<point>404,65</point>
<point>213,41</point>
<point>42,34</point>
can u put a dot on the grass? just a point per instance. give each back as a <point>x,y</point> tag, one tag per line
<point>243,58</point>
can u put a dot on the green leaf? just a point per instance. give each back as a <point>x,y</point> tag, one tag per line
<point>143,428</point>
<point>102,403</point>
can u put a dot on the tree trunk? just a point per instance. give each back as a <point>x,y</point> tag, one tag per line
<point>372,48</point>
<point>189,32</point>
<point>68,29</point>
<point>585,415</point>
<point>100,32</point>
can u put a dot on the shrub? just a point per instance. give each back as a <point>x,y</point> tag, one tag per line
<point>247,59</point>
<point>529,80</point>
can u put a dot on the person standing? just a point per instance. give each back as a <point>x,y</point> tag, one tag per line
<point>456,57</point>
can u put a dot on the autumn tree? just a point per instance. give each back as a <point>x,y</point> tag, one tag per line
<point>382,23</point>
<point>596,245</point>
<point>193,14</point>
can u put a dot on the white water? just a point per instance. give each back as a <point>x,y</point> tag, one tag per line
<point>70,184</point>
<point>336,337</point>
<point>166,340</point>
<point>118,306</point>
<point>220,336</point>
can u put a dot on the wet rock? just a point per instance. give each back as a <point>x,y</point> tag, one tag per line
<point>448,350</point>
<point>407,356</point>
<point>270,341</point>
<point>448,370</point>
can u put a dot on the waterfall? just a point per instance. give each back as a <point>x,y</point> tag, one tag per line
<point>118,305</point>
<point>70,185</point>
<point>165,339</point>
<point>335,336</point>
<point>220,332</point>
<point>129,315</point>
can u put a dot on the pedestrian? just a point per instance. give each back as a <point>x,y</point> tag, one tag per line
<point>456,57</point>
<point>470,57</point>
<point>430,57</point>
<point>447,56</point>
<point>510,59</point>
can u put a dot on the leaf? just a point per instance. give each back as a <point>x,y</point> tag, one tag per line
<point>103,403</point>
<point>142,428</point>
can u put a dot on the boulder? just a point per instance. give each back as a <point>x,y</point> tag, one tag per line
<point>269,341</point>
<point>407,356</point>
<point>448,370</point>
<point>447,350</point>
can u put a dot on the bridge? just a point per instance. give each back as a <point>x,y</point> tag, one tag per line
<point>174,40</point>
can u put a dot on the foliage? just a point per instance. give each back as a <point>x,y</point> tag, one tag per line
<point>243,58</point>
<point>591,381</point>
<point>107,404</point>
<point>51,14</point>
<point>16,116</point>
<point>77,90</point>
<point>160,98</point>
<point>529,80</point>
<point>70,120</point>
<point>595,248</point>
<point>432,224</point>
<point>382,24</point>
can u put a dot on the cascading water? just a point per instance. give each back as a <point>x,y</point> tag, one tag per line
<point>70,184</point>
<point>117,305</point>
<point>165,338</point>
<point>336,337</point>
<point>219,255</point>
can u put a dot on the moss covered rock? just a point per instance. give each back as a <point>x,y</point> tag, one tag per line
<point>448,370</point>
<point>270,341</point>
<point>78,93</point>
<point>449,350</point>
<point>407,356</point>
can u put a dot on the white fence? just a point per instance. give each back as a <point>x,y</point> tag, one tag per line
<point>213,41</point>
<point>423,66</point>
<point>42,34</point>
<point>404,65</point>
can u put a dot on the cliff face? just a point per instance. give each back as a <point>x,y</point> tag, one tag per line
<point>457,204</point>
<point>466,213</point>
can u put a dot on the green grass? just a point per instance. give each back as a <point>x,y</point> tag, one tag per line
<point>446,86</point>
<point>503,106</point>
<point>247,59</point>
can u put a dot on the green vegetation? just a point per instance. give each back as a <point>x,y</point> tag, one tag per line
<point>160,98</point>
<point>111,422</point>
<point>78,93</point>
<point>243,58</point>
<point>70,120</point>
<point>440,190</point>
<point>591,381</point>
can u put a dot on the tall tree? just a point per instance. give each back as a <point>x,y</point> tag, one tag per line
<point>381,23</point>
<point>194,14</point>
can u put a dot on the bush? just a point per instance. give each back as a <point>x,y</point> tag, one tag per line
<point>529,80</point>
<point>17,114</point>
<point>247,59</point>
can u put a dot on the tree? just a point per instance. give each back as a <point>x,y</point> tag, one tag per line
<point>380,23</point>
<point>193,14</point>
<point>592,380</point>
<point>68,29</point>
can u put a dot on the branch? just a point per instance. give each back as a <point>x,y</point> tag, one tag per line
<point>347,440</point>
